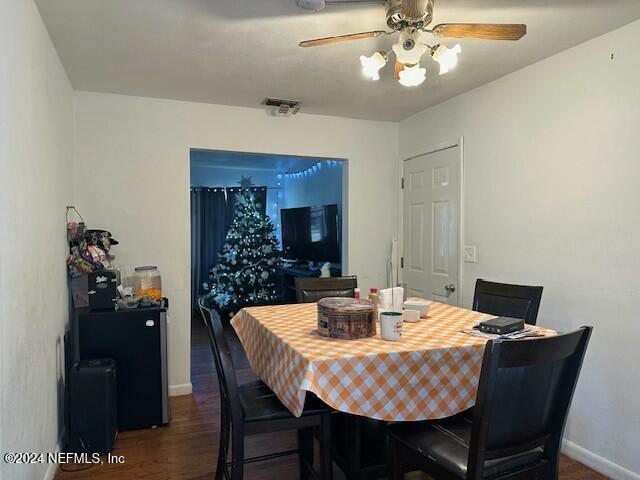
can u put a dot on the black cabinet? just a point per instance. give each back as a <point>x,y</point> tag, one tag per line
<point>137,341</point>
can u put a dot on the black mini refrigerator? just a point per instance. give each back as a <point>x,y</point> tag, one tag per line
<point>137,340</point>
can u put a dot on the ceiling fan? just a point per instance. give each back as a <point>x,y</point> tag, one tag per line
<point>411,19</point>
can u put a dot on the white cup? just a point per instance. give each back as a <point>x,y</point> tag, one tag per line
<point>411,316</point>
<point>391,326</point>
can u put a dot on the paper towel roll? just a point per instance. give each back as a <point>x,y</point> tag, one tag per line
<point>392,299</point>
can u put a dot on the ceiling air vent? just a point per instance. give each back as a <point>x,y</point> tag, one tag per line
<point>281,107</point>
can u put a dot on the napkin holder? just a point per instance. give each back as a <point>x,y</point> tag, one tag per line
<point>392,299</point>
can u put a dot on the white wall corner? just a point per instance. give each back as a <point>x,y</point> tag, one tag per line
<point>52,469</point>
<point>51,472</point>
<point>597,463</point>
<point>180,389</point>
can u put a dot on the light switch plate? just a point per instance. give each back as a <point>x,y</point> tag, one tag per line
<point>469,254</point>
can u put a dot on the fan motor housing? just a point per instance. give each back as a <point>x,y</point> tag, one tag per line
<point>399,18</point>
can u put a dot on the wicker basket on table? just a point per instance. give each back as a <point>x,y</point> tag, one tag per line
<point>346,318</point>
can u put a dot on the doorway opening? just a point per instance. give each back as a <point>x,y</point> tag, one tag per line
<point>258,221</point>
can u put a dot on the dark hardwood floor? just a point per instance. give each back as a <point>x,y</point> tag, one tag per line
<point>187,447</point>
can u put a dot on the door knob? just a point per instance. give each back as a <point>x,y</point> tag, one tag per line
<point>450,288</point>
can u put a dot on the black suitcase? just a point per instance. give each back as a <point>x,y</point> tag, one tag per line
<point>93,418</point>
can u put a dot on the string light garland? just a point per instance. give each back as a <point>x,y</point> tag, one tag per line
<point>315,168</point>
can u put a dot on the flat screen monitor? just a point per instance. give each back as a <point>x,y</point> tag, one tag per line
<point>311,233</point>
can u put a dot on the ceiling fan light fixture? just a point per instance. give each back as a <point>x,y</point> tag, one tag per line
<point>371,65</point>
<point>412,76</point>
<point>446,57</point>
<point>409,48</point>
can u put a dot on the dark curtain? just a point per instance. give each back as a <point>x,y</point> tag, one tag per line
<point>212,212</point>
<point>208,212</point>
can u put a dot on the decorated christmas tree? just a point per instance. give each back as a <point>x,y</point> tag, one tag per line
<point>245,274</point>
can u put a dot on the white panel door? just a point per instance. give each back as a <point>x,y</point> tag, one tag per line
<point>431,219</point>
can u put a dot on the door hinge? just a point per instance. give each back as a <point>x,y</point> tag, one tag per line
<point>401,262</point>
<point>402,183</point>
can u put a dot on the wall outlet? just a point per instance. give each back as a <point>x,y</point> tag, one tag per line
<point>469,254</point>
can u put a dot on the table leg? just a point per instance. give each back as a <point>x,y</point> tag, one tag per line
<point>355,457</point>
<point>305,445</point>
<point>326,446</point>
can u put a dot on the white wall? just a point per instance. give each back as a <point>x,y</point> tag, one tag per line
<point>35,185</point>
<point>551,197</point>
<point>322,187</point>
<point>132,177</point>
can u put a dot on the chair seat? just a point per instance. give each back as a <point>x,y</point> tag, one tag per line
<point>259,404</point>
<point>446,442</point>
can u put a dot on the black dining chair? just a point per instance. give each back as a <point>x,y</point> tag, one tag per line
<point>523,399</point>
<point>506,300</point>
<point>310,290</point>
<point>253,409</point>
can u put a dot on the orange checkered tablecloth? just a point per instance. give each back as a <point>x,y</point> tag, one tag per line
<point>431,373</point>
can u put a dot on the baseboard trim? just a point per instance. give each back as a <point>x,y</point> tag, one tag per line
<point>181,389</point>
<point>596,462</point>
<point>52,469</point>
<point>50,474</point>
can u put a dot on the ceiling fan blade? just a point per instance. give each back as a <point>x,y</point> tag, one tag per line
<point>318,42</point>
<point>397,69</point>
<point>486,31</point>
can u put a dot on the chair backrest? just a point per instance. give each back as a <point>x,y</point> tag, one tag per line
<point>229,397</point>
<point>309,290</point>
<point>506,300</point>
<point>524,394</point>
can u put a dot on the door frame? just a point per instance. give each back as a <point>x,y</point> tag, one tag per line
<point>458,142</point>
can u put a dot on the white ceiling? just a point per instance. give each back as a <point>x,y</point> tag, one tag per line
<point>237,52</point>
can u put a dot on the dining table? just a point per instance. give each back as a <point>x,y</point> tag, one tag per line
<point>431,373</point>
